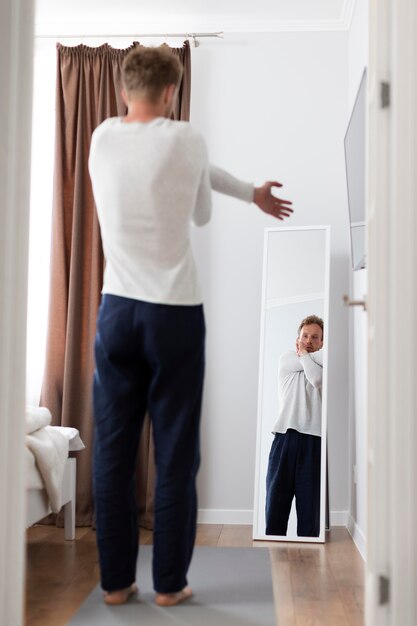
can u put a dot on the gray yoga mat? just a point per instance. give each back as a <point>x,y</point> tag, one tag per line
<point>232,587</point>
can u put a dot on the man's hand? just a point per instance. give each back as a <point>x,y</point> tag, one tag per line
<point>270,204</point>
<point>300,347</point>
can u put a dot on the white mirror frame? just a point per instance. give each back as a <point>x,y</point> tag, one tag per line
<point>258,532</point>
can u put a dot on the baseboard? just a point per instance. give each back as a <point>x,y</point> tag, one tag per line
<point>245,516</point>
<point>225,516</point>
<point>339,518</point>
<point>357,536</point>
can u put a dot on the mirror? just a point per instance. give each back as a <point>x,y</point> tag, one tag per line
<point>291,433</point>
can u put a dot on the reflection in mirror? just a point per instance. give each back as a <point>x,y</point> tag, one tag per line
<point>291,442</point>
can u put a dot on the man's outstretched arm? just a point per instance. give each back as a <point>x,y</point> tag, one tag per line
<point>225,183</point>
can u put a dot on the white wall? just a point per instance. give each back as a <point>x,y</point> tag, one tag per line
<point>358,60</point>
<point>358,47</point>
<point>270,106</point>
<point>43,132</point>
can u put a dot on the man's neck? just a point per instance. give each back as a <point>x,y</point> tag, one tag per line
<point>140,111</point>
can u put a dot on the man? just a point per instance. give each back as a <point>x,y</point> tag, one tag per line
<point>151,178</point>
<point>294,460</point>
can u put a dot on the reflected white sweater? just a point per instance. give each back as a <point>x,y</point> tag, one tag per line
<point>299,388</point>
<point>150,181</point>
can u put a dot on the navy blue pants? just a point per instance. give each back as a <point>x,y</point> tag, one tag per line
<point>149,357</point>
<point>293,471</point>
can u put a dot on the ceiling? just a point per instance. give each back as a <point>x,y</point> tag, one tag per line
<point>194,15</point>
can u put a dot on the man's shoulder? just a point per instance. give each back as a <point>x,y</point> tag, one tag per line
<point>110,122</point>
<point>289,363</point>
<point>187,140</point>
<point>184,129</point>
<point>100,138</point>
<point>104,132</point>
<point>178,128</point>
<point>289,355</point>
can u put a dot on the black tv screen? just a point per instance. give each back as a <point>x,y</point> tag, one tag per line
<point>355,146</point>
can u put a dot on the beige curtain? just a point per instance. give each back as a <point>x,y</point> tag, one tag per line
<point>88,89</point>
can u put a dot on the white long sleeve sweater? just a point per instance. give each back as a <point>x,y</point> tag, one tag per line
<point>299,388</point>
<point>150,181</point>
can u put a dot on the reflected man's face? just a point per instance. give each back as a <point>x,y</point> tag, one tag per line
<point>312,337</point>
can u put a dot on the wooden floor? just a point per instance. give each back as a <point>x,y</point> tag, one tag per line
<point>314,584</point>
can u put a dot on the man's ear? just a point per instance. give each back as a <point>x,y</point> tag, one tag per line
<point>124,97</point>
<point>169,93</point>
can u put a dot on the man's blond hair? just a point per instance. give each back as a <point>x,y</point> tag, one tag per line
<point>147,71</point>
<point>312,319</point>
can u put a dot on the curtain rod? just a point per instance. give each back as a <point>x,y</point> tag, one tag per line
<point>193,36</point>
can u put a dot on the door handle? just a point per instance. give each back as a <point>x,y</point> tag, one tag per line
<point>349,302</point>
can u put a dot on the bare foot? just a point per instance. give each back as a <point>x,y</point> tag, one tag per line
<point>121,595</point>
<point>171,599</point>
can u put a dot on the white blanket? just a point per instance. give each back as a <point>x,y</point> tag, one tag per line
<point>37,417</point>
<point>50,448</point>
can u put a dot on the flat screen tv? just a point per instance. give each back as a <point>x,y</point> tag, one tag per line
<point>355,176</point>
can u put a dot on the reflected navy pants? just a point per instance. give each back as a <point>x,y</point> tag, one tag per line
<point>149,357</point>
<point>293,471</point>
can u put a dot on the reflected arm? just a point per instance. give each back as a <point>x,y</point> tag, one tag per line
<point>312,363</point>
<point>317,357</point>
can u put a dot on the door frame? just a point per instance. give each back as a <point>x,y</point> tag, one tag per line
<point>16,61</point>
<point>391,566</point>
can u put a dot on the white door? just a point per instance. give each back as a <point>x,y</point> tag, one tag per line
<point>391,592</point>
<point>16,55</point>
